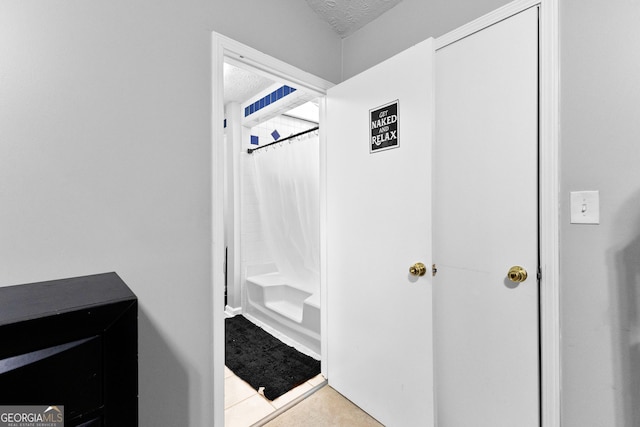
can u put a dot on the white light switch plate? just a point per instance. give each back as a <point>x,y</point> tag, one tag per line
<point>585,207</point>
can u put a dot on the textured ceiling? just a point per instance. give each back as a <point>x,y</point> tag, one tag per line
<point>240,84</point>
<point>347,16</point>
<point>344,16</point>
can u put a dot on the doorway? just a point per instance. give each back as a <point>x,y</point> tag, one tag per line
<point>270,155</point>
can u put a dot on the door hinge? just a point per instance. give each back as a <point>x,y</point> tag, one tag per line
<point>539,273</point>
<point>434,270</point>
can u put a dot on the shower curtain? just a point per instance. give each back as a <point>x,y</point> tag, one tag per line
<point>287,187</point>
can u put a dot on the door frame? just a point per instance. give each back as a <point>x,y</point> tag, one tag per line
<point>223,47</point>
<point>549,67</point>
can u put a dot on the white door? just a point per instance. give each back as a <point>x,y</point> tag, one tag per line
<point>485,211</point>
<point>379,139</point>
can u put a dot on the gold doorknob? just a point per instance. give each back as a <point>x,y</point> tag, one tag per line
<point>418,269</point>
<point>517,274</point>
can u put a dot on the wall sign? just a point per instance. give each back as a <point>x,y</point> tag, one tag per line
<point>384,127</point>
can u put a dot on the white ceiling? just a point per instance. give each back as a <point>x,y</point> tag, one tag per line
<point>241,84</point>
<point>348,16</point>
<point>344,16</point>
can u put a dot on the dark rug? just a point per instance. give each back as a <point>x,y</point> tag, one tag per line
<point>264,361</point>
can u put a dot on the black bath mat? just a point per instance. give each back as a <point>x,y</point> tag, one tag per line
<point>264,361</point>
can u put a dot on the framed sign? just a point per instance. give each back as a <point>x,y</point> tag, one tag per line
<point>384,127</point>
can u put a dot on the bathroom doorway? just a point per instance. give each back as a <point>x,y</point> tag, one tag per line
<point>271,224</point>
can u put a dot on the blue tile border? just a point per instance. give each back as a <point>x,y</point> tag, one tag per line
<point>269,99</point>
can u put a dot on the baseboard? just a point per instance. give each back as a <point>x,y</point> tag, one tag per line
<point>232,311</point>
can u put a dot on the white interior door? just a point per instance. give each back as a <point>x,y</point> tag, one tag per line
<point>485,221</point>
<point>380,351</point>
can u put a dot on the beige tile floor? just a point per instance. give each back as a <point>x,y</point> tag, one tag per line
<point>243,406</point>
<point>324,408</point>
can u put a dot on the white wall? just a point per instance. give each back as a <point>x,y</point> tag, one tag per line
<point>600,264</point>
<point>104,165</point>
<point>407,24</point>
<point>105,161</point>
<point>285,29</point>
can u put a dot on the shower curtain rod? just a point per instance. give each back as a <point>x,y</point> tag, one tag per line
<point>251,150</point>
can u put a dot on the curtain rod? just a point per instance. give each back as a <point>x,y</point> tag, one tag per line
<point>251,150</point>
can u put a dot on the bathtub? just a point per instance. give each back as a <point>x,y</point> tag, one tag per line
<point>289,311</point>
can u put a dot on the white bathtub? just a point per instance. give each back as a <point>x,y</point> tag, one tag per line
<point>287,309</point>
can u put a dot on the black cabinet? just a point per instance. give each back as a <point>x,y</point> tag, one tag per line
<point>72,342</point>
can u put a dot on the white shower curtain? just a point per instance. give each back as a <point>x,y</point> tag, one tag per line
<point>287,187</point>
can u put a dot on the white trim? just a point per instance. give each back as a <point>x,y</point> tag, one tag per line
<point>485,21</point>
<point>549,188</point>
<point>267,65</point>
<point>324,288</point>
<point>224,48</point>
<point>217,218</point>
<point>232,311</point>
<point>549,213</point>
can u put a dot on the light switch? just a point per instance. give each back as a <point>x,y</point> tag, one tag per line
<point>585,207</point>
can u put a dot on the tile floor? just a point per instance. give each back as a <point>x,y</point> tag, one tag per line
<point>243,406</point>
<point>324,408</point>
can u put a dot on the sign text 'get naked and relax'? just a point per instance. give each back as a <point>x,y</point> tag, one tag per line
<point>384,127</point>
